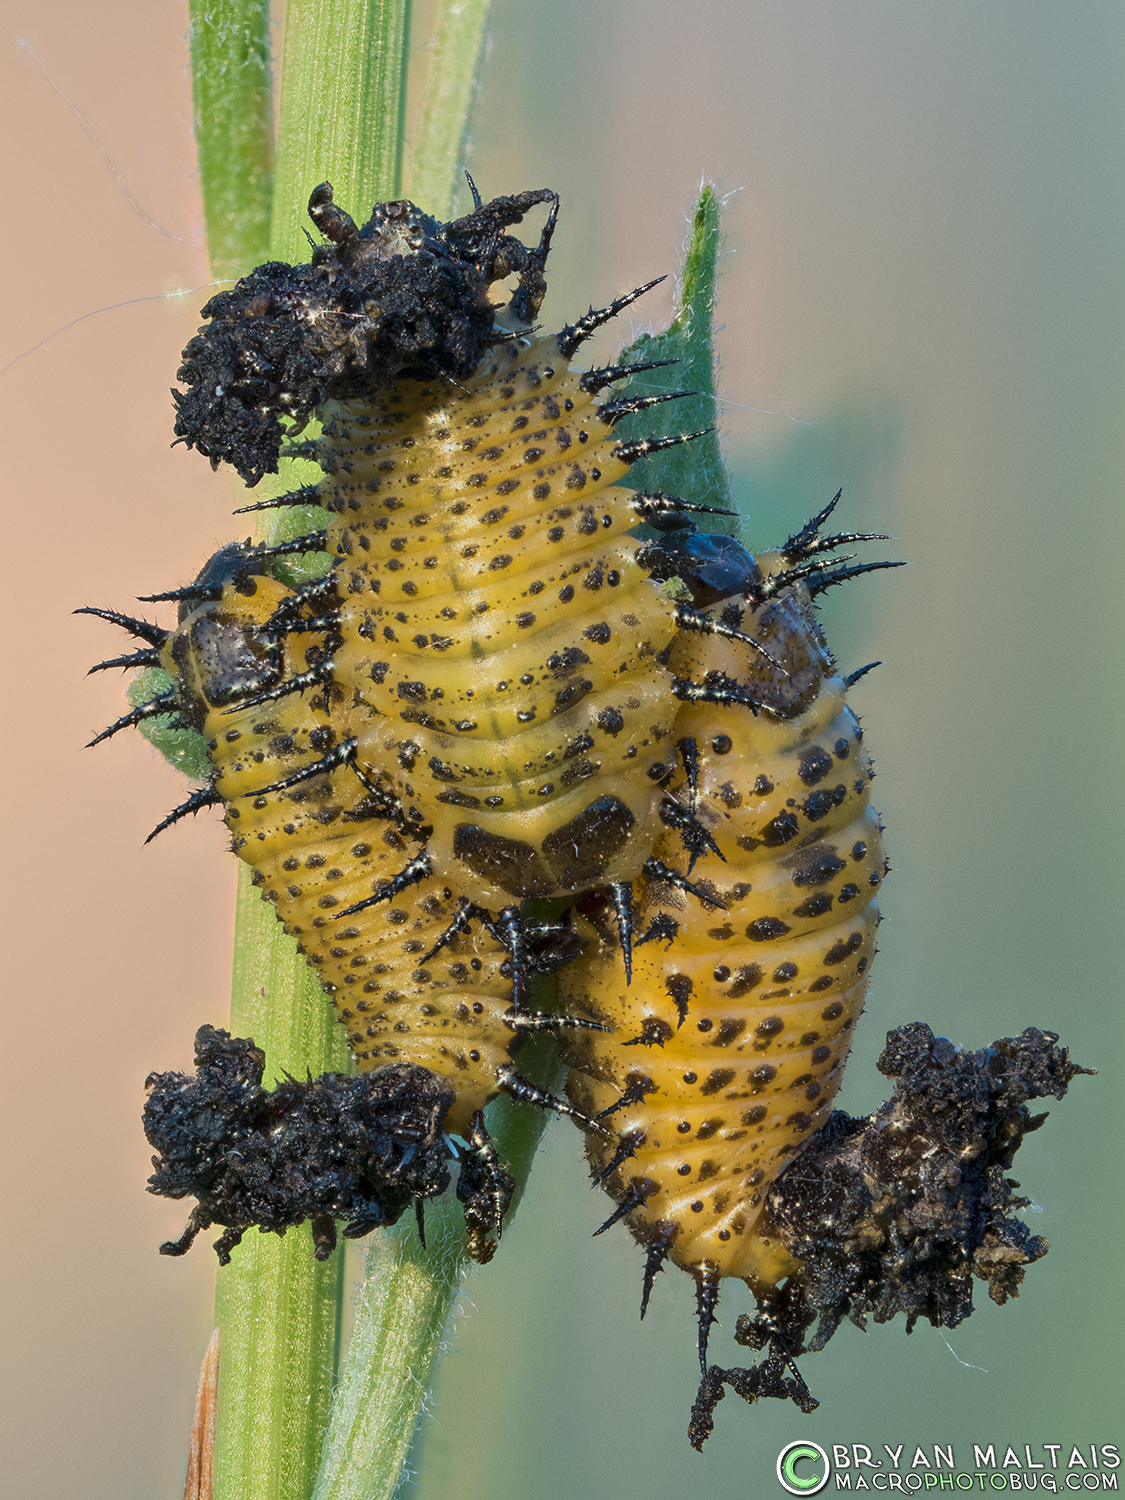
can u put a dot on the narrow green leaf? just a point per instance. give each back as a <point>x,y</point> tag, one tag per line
<point>343,101</point>
<point>230,72</point>
<point>436,173</point>
<point>694,471</point>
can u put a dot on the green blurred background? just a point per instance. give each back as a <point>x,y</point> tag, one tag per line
<point>924,301</point>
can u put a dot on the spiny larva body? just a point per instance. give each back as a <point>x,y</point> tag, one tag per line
<point>724,1055</point>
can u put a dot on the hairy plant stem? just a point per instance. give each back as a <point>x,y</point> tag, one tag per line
<point>230,76</point>
<point>278,1309</point>
<point>440,154</point>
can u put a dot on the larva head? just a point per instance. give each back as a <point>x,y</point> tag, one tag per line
<point>403,294</point>
<point>220,653</point>
<point>711,567</point>
<point>718,570</point>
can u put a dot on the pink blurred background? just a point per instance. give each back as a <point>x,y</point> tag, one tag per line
<point>923,303</point>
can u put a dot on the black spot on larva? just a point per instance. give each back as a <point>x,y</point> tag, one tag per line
<point>599,633</point>
<point>454,798</point>
<point>611,720</point>
<point>508,863</point>
<point>568,696</point>
<point>763,1074</point>
<point>729,1030</point>
<point>729,795</point>
<point>780,830</point>
<point>818,804</point>
<point>583,849</point>
<point>763,786</point>
<point>766,929</point>
<point>813,765</point>
<point>770,1026</point>
<point>859,850</point>
<point>748,978</point>
<point>564,663</point>
<point>785,972</point>
<point>813,866</point>
<point>814,906</point>
<point>825,982</point>
<point>722,744</point>
<point>756,1115</point>
<point>848,893</point>
<point>842,748</point>
<point>717,1079</point>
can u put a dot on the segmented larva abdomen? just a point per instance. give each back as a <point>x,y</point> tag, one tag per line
<point>498,626</point>
<point>729,1045</point>
<point>322,845</point>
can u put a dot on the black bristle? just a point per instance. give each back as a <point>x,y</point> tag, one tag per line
<point>596,380</point>
<point>853,677</point>
<point>615,411</point>
<point>537,1020</point>
<point>690,618</point>
<point>155,635</point>
<point>509,1082</point>
<point>662,929</point>
<point>633,1093</point>
<point>658,1247</point>
<point>308,494</point>
<point>716,688</point>
<point>205,796</point>
<point>133,659</point>
<point>626,1148</point>
<point>411,874</point>
<point>706,1300</point>
<point>190,592</point>
<point>830,577</point>
<point>313,541</point>
<point>629,453</point>
<point>336,757</point>
<point>654,503</point>
<point>797,545</point>
<point>299,683</point>
<point>509,928</point>
<point>577,333</point>
<point>460,923</point>
<point>164,703</point>
<point>621,895</point>
<point>655,869</point>
<point>696,839</point>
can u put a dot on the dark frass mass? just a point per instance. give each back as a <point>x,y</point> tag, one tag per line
<point>898,1212</point>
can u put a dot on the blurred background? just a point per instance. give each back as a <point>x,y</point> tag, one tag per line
<point>923,301</point>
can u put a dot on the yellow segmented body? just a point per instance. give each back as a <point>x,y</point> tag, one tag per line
<point>737,1031</point>
<point>323,845</point>
<point>500,638</point>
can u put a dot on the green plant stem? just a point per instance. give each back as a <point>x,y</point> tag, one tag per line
<point>439,157</point>
<point>278,1309</point>
<point>230,70</point>
<point>343,102</point>
<point>404,1303</point>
